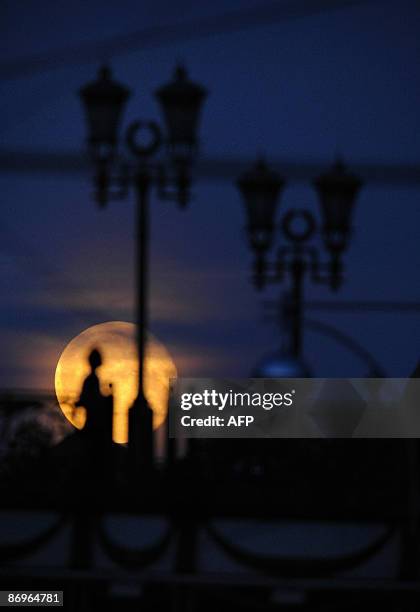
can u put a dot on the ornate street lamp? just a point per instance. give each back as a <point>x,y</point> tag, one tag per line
<point>260,189</point>
<point>181,102</point>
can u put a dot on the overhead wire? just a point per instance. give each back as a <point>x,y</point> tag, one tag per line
<point>161,35</point>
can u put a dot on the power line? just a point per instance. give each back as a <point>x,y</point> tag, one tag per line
<point>354,306</point>
<point>364,306</point>
<point>211,168</point>
<point>158,36</point>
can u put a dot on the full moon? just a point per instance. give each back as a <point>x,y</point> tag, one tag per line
<point>116,341</point>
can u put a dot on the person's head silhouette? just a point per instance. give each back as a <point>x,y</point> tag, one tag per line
<point>95,359</point>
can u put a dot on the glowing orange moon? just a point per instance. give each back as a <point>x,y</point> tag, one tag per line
<point>117,344</point>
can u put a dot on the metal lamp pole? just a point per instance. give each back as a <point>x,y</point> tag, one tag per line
<point>181,101</point>
<point>297,257</point>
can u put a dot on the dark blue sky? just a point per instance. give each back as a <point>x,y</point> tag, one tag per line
<point>304,88</point>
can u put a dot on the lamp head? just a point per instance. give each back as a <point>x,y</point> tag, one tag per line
<point>260,188</point>
<point>103,101</point>
<point>337,190</point>
<point>181,101</point>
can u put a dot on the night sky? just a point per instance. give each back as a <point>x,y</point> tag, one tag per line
<point>306,88</point>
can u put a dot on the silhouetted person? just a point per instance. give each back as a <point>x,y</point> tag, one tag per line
<point>99,410</point>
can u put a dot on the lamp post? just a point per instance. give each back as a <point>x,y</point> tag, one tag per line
<point>337,190</point>
<point>104,101</point>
